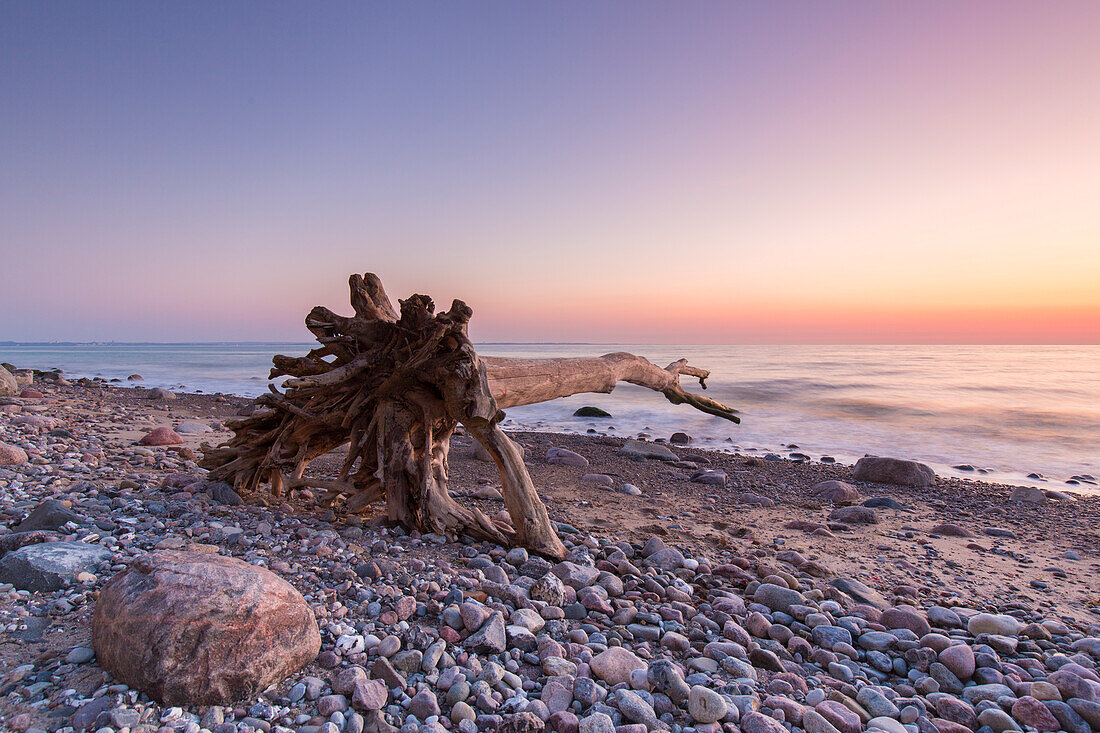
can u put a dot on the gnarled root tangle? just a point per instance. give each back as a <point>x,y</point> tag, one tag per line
<point>393,386</point>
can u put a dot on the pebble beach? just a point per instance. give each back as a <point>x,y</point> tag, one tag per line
<point>702,591</point>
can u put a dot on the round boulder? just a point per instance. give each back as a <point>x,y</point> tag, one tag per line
<point>162,436</point>
<point>201,629</point>
<point>836,492</point>
<point>893,471</point>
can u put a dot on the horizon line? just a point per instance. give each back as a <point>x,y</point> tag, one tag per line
<point>575,343</point>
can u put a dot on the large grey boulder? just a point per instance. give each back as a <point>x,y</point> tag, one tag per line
<point>641,449</point>
<point>50,565</point>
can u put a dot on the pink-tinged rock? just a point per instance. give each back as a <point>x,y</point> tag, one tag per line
<point>836,492</point>
<point>841,717</point>
<point>893,471</point>
<point>38,422</point>
<point>792,709</point>
<point>162,436</point>
<point>12,455</point>
<point>759,723</point>
<point>449,635</point>
<point>855,515</point>
<point>31,394</point>
<point>345,680</point>
<point>179,480</point>
<point>473,614</point>
<point>192,628</point>
<point>959,659</point>
<point>1071,685</point>
<point>951,530</point>
<point>405,607</point>
<point>614,665</point>
<point>370,695</point>
<point>563,722</point>
<point>903,617</point>
<point>1033,713</point>
<point>950,726</point>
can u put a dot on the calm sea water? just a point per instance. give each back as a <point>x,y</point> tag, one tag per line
<point>1010,410</point>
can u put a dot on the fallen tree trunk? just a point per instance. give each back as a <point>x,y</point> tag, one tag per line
<point>393,386</point>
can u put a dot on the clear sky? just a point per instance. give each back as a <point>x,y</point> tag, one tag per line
<point>640,171</point>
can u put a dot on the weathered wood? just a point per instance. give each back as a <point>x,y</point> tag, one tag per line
<point>392,385</point>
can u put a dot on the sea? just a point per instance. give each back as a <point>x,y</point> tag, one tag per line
<point>1024,415</point>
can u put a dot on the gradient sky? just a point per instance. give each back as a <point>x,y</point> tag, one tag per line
<point>630,172</point>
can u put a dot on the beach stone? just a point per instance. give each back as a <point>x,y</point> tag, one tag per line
<point>664,676</point>
<point>424,704</point>
<point>615,664</point>
<point>574,575</point>
<point>86,715</point>
<point>860,592</point>
<point>839,716</point>
<point>1067,717</point>
<point>596,723</point>
<point>706,705</point>
<point>640,449</point>
<point>1087,709</point>
<point>1071,685</point>
<point>987,623</point>
<point>159,393</point>
<point>950,530</point>
<point>49,514</point>
<point>193,427</point>
<point>885,723</point>
<point>997,720</point>
<point>490,638</point>
<point>827,637</point>
<point>590,411</point>
<point>223,493</point>
<point>548,589</point>
<point>369,694</point>
<point>814,722</point>
<point>50,566</point>
<point>1028,495</point>
<point>778,598</point>
<point>904,617</point>
<point>666,559</point>
<point>854,515</point>
<point>12,455</point>
<point>9,387</point>
<point>959,660</point>
<point>563,457</point>
<point>836,492</point>
<point>161,436</point>
<point>200,628</point>
<point>634,708</point>
<point>893,471</point>
<point>755,722</point>
<point>1033,713</point>
<point>709,476</point>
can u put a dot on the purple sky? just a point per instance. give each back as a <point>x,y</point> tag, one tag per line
<point>697,172</point>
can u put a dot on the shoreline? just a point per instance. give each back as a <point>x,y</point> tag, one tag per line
<point>960,545</point>
<point>1085,484</point>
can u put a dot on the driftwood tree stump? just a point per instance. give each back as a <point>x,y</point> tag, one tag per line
<point>393,386</point>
